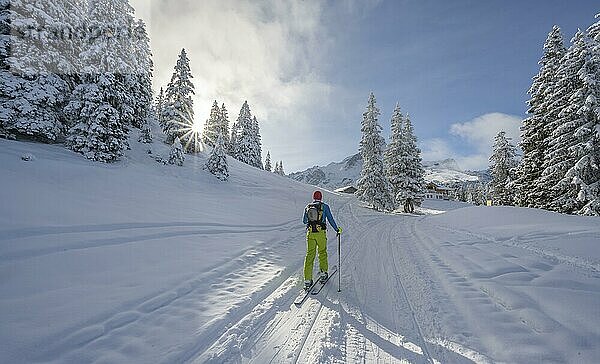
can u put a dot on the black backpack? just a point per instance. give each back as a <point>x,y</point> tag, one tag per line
<point>314,213</point>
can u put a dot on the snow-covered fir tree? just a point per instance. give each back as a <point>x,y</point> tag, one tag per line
<point>224,126</point>
<point>574,149</point>
<point>176,155</point>
<point>128,57</point>
<point>99,133</point>
<point>257,148</point>
<point>478,194</point>
<point>589,167</point>
<point>268,166</point>
<point>247,141</point>
<point>178,107</point>
<point>279,168</point>
<point>412,187</point>
<point>101,106</point>
<point>37,68</point>
<point>146,129</point>
<point>373,187</point>
<point>395,152</point>
<point>244,139</point>
<point>141,81</point>
<point>217,161</point>
<point>559,158</point>
<point>502,167</point>
<point>212,126</point>
<point>145,133</point>
<point>460,192</point>
<point>535,129</point>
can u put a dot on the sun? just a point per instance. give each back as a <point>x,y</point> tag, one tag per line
<point>196,128</point>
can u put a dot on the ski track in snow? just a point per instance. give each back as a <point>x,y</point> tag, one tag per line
<point>410,294</point>
<point>21,252</point>
<point>436,312</point>
<point>326,329</point>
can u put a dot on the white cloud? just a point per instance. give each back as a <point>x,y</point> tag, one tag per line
<point>480,132</point>
<point>477,135</point>
<point>435,149</point>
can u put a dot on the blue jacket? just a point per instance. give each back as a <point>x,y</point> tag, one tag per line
<point>326,215</point>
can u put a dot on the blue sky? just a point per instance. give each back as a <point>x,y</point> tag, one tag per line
<point>461,69</point>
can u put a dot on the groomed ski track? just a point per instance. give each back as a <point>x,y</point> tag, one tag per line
<point>386,277</point>
<point>410,294</point>
<point>413,291</point>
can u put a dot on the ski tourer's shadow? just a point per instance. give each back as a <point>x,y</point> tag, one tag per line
<point>403,350</point>
<point>398,352</point>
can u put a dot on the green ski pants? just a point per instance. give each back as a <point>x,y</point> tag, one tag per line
<point>314,241</point>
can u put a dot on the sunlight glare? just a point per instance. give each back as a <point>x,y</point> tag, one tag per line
<point>196,128</point>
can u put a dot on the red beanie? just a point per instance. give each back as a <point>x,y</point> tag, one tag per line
<point>317,195</point>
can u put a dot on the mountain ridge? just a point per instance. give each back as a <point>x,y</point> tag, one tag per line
<point>346,172</point>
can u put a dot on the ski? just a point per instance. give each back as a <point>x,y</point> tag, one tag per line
<point>304,295</point>
<point>300,300</point>
<point>317,290</point>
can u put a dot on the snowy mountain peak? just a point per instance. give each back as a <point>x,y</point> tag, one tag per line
<point>344,173</point>
<point>448,163</point>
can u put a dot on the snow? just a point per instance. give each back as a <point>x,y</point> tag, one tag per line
<point>344,173</point>
<point>177,266</point>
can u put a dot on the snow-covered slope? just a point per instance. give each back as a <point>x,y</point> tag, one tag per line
<point>138,262</point>
<point>91,254</point>
<point>346,172</point>
<point>447,172</point>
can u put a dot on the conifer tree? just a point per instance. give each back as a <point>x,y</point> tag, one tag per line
<point>128,57</point>
<point>575,143</point>
<point>567,144</point>
<point>141,80</point>
<point>176,155</point>
<point>279,168</point>
<point>178,108</point>
<point>217,161</point>
<point>502,167</point>
<point>100,108</point>
<point>36,66</point>
<point>212,127</point>
<point>477,194</point>
<point>395,153</point>
<point>535,129</point>
<point>257,145</point>
<point>372,186</point>
<point>146,129</point>
<point>248,142</point>
<point>224,127</point>
<point>588,168</point>
<point>412,188</point>
<point>268,162</point>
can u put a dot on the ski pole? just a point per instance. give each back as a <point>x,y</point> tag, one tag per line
<point>339,263</point>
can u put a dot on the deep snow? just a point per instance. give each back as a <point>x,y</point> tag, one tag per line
<point>140,262</point>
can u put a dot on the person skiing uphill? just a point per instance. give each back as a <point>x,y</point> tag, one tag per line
<point>315,214</point>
